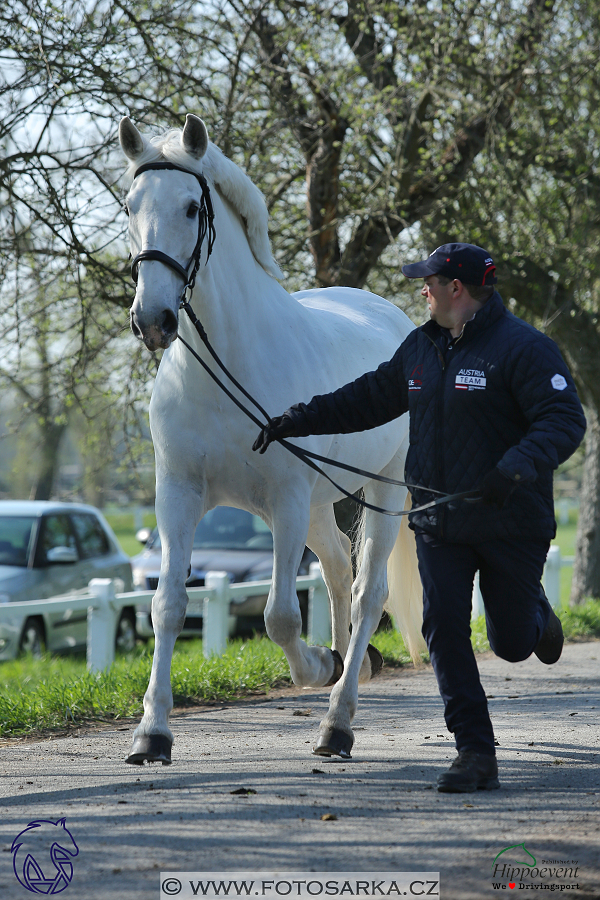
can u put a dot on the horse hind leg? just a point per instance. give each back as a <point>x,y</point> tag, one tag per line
<point>369,593</point>
<point>334,549</point>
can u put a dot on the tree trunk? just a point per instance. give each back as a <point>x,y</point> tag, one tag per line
<point>586,571</point>
<point>51,437</point>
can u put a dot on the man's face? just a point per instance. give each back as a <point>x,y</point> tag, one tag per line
<point>439,298</point>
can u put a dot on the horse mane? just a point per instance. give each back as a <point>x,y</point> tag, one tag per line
<point>227,178</point>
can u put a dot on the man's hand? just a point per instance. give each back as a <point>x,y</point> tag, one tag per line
<point>279,427</point>
<point>496,488</point>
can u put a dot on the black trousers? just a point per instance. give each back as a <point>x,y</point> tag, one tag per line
<point>516,614</point>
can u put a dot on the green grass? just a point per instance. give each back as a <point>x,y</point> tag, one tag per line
<point>581,621</point>
<point>123,526</point>
<point>56,692</point>
<point>53,694</point>
<point>391,646</point>
<point>578,622</point>
<point>565,538</point>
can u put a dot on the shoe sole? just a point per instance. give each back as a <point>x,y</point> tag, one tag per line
<point>490,784</point>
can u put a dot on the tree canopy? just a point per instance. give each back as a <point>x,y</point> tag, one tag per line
<point>376,129</point>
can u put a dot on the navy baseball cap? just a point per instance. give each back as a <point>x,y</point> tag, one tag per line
<point>467,262</point>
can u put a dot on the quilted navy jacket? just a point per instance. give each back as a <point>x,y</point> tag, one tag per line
<point>499,394</point>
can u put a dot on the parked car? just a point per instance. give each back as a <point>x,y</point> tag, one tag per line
<point>226,540</point>
<point>51,549</point>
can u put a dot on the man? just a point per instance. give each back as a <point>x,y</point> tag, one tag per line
<point>492,407</point>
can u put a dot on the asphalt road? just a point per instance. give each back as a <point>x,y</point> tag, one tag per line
<point>382,811</point>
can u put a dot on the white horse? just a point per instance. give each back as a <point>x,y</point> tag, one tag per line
<point>283,349</point>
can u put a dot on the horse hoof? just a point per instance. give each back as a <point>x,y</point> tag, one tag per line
<point>338,668</point>
<point>150,748</point>
<point>376,660</point>
<point>334,742</point>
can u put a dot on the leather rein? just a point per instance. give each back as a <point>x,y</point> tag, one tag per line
<point>206,229</point>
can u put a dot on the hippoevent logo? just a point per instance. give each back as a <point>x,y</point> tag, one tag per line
<point>516,868</point>
<point>42,855</point>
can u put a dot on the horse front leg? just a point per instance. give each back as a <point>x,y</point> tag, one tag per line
<point>309,666</point>
<point>178,510</point>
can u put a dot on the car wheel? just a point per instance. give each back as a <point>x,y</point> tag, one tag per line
<point>126,636</point>
<point>33,640</point>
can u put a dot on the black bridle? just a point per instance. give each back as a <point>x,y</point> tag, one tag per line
<point>206,228</point>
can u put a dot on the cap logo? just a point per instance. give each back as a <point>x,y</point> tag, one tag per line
<point>489,261</point>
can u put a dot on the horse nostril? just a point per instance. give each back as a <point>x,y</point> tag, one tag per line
<point>169,322</point>
<point>135,328</point>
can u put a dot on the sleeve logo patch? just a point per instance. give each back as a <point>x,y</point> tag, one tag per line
<point>559,382</point>
<point>470,380</point>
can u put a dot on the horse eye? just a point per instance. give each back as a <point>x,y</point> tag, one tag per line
<point>192,210</point>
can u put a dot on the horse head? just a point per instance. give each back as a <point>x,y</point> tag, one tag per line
<point>164,209</point>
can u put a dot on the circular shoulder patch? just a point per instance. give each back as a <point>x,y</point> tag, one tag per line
<point>559,382</point>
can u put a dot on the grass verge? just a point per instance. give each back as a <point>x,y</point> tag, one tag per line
<point>56,693</point>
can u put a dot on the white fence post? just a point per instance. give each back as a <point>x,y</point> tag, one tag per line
<point>102,625</point>
<point>477,607</point>
<point>319,615</point>
<point>215,614</point>
<point>551,578</point>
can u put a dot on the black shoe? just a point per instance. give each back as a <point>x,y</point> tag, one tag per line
<point>469,772</point>
<point>549,646</point>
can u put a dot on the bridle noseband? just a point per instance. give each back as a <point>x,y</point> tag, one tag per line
<point>205,228</point>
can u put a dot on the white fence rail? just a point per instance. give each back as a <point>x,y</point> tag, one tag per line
<point>104,606</point>
<point>550,580</point>
<point>213,601</point>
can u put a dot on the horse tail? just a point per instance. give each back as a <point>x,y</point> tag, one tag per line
<point>405,593</point>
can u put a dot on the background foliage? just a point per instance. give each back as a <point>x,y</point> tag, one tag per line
<point>376,131</point>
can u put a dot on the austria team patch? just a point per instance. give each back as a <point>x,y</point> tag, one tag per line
<point>470,380</point>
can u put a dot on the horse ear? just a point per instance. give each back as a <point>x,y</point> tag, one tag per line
<point>132,143</point>
<point>194,138</point>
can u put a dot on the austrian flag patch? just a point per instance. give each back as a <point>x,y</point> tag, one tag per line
<point>470,380</point>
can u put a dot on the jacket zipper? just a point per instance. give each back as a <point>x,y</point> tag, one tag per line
<point>439,442</point>
<point>453,343</point>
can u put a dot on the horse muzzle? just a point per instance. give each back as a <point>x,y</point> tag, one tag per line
<point>157,332</point>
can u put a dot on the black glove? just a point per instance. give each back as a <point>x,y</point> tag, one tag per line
<point>279,427</point>
<point>496,488</point>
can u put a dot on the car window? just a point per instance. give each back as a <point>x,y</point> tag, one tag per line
<point>15,540</point>
<point>90,534</point>
<point>56,532</point>
<point>225,528</point>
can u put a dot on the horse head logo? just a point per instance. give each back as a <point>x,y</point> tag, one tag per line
<point>42,856</point>
<point>517,848</point>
